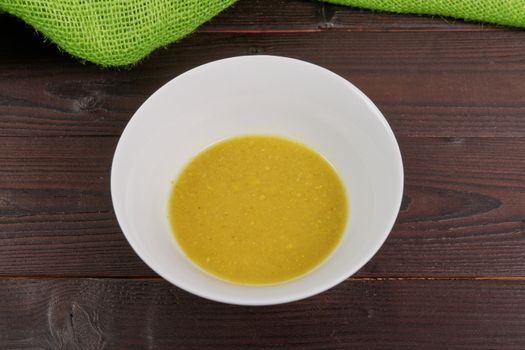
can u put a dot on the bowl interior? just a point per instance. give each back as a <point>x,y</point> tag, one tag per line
<point>256,95</point>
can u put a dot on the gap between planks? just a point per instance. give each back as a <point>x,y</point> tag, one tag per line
<point>321,29</point>
<point>379,279</point>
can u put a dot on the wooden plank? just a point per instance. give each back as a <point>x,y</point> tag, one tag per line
<point>142,314</point>
<point>464,199</point>
<point>67,244</point>
<point>309,16</point>
<point>55,174</point>
<point>427,84</point>
<point>463,212</point>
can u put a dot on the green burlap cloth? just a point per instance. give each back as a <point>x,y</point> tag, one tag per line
<point>121,32</point>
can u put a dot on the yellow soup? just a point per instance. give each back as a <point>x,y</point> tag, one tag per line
<point>258,209</point>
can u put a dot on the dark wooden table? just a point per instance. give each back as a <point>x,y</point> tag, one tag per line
<point>450,276</point>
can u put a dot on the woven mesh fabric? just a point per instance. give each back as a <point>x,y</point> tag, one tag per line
<point>114,32</point>
<point>121,32</point>
<point>506,12</point>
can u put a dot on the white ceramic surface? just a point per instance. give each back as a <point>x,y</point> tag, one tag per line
<point>246,95</point>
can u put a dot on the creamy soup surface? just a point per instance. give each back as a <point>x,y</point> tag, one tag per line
<point>258,209</point>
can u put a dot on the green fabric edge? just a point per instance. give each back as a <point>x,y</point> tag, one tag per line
<point>503,12</point>
<point>129,57</point>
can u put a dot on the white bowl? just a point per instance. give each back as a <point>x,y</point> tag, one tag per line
<point>247,95</point>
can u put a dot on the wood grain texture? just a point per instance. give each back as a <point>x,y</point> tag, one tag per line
<point>42,175</point>
<point>67,244</point>
<point>464,199</point>
<point>427,84</point>
<point>308,16</point>
<point>141,314</point>
<point>463,211</point>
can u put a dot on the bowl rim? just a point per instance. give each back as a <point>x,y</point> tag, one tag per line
<point>204,293</point>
